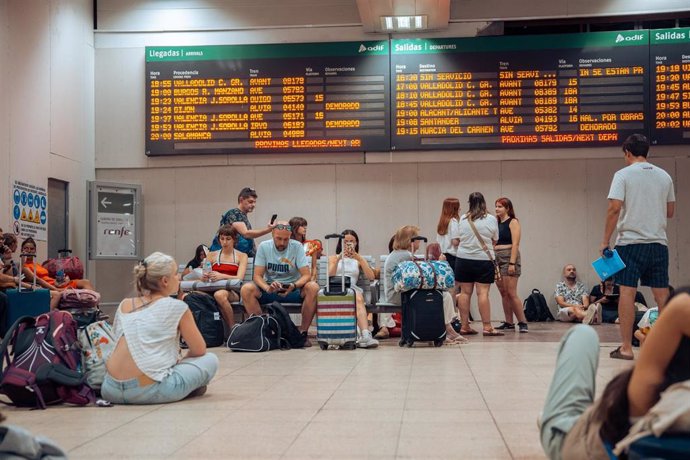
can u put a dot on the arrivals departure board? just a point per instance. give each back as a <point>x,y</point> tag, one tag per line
<point>523,91</point>
<point>670,86</point>
<point>324,97</point>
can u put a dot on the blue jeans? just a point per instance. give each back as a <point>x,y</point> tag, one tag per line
<point>187,375</point>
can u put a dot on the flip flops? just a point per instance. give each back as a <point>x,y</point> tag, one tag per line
<point>492,333</point>
<point>616,354</point>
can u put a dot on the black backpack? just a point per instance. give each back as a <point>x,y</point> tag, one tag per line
<point>291,336</point>
<point>536,308</point>
<point>207,317</point>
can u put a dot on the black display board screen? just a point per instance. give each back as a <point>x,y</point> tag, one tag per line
<point>323,97</point>
<point>525,91</point>
<point>669,54</point>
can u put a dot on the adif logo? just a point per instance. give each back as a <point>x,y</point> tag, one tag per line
<point>363,48</point>
<point>629,38</point>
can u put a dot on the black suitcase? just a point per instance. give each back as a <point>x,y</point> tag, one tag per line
<point>422,315</point>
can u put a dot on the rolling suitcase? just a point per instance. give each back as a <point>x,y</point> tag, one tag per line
<point>336,318</point>
<point>422,315</point>
<point>25,302</point>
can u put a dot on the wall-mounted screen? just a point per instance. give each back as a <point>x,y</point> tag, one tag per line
<point>669,55</point>
<point>519,91</point>
<point>311,97</point>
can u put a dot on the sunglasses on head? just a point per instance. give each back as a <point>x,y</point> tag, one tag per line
<point>283,227</point>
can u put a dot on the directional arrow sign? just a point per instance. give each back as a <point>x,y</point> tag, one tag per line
<point>115,203</point>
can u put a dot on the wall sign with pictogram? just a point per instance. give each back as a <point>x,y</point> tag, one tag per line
<point>29,210</point>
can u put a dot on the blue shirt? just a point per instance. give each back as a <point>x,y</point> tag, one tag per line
<point>281,266</point>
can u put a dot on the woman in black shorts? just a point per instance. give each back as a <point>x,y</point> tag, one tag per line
<point>474,266</point>
<point>507,251</point>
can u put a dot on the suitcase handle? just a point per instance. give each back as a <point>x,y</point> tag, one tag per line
<point>420,238</point>
<point>340,236</point>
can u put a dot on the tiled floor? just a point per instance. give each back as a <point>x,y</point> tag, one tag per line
<point>478,400</point>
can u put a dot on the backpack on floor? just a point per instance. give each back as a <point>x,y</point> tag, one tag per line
<point>256,333</point>
<point>536,308</point>
<point>97,343</point>
<point>207,317</point>
<point>43,367</point>
<point>291,336</point>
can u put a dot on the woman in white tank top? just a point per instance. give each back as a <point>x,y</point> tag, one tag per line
<point>348,260</point>
<point>147,366</point>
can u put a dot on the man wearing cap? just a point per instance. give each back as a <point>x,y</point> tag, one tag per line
<point>282,273</point>
<point>237,217</point>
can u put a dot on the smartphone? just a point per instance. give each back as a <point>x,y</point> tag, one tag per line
<point>273,218</point>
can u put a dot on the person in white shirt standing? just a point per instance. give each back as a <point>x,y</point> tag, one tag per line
<point>641,199</point>
<point>474,266</point>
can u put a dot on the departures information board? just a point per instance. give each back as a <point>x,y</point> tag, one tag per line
<point>323,97</point>
<point>670,86</point>
<point>523,91</point>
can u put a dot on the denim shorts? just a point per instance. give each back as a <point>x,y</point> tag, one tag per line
<point>186,376</point>
<point>646,263</point>
<point>269,297</point>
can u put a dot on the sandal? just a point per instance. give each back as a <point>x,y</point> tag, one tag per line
<point>454,342</point>
<point>469,331</point>
<point>616,354</point>
<point>492,333</point>
<point>456,338</point>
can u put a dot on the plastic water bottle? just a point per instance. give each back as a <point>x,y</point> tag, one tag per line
<point>206,267</point>
<point>60,274</point>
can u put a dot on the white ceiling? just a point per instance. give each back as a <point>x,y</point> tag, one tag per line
<point>436,11</point>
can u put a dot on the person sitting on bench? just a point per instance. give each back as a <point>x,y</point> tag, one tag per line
<point>282,274</point>
<point>44,279</point>
<point>226,264</point>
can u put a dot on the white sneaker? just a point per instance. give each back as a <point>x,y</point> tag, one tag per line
<point>590,314</point>
<point>367,341</point>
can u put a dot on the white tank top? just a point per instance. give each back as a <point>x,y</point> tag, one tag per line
<point>351,268</point>
<point>152,335</point>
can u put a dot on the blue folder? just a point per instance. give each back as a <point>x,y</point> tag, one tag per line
<point>606,267</point>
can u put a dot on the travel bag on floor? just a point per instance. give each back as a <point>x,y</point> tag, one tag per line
<point>25,302</point>
<point>336,312</point>
<point>207,317</point>
<point>257,333</point>
<point>422,315</point>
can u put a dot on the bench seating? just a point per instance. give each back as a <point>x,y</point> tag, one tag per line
<point>371,289</point>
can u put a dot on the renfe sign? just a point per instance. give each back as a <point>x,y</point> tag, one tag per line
<point>114,221</point>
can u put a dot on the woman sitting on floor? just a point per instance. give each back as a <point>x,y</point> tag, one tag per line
<point>572,426</point>
<point>145,367</point>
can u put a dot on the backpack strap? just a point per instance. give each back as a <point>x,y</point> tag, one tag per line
<point>20,324</point>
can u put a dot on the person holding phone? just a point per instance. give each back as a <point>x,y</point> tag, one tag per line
<point>606,295</point>
<point>348,261</point>
<point>281,274</point>
<point>237,217</point>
